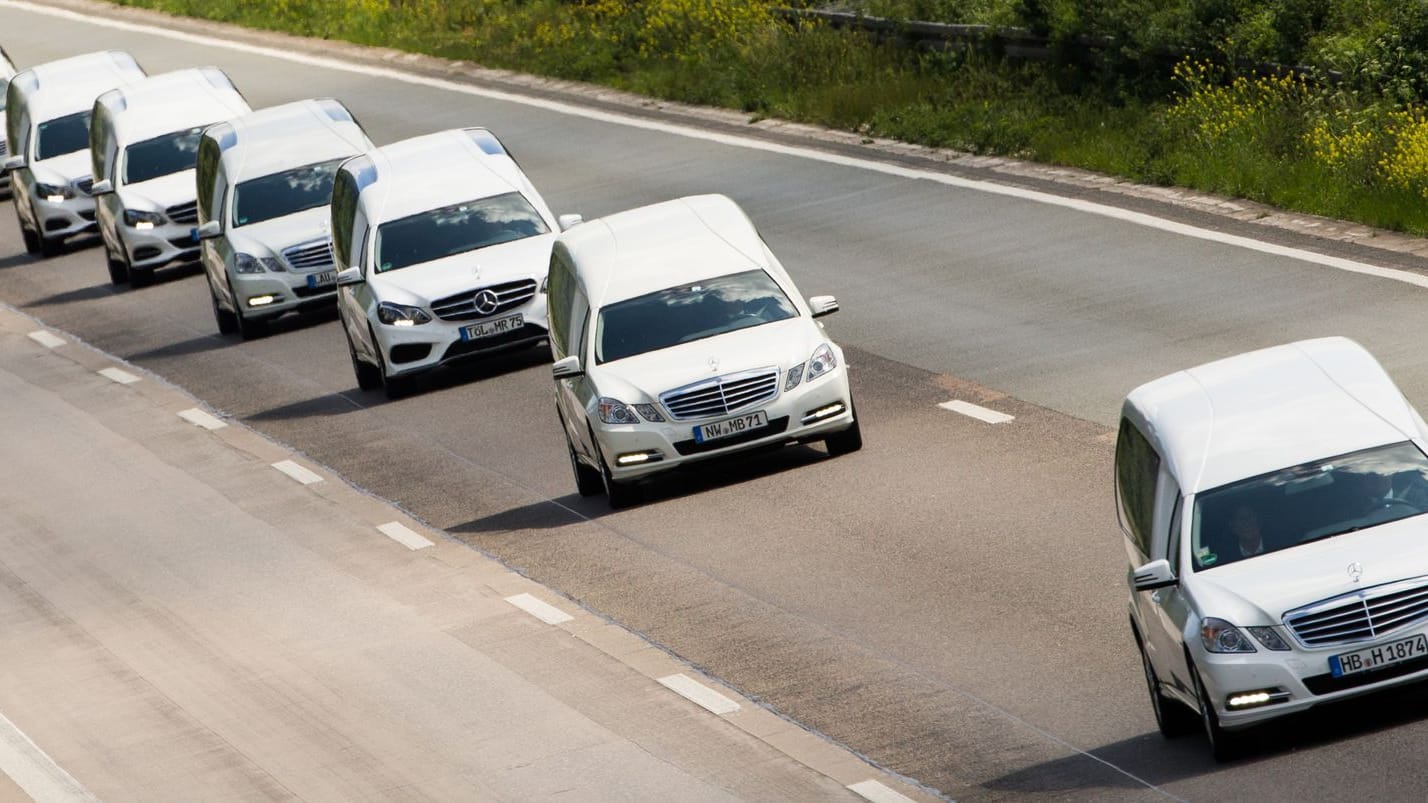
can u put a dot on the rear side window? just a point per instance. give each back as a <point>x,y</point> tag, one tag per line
<point>560,286</point>
<point>1137,466</point>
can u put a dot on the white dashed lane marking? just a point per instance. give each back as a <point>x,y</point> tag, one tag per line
<point>543,611</point>
<point>977,412</point>
<point>46,339</point>
<point>404,535</point>
<point>297,472</point>
<point>120,376</point>
<point>199,418</point>
<point>878,793</point>
<point>699,694</point>
<point>35,772</point>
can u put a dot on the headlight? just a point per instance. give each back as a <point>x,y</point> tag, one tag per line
<point>247,263</point>
<point>614,411</point>
<point>821,362</point>
<point>54,193</point>
<point>1222,637</point>
<point>139,219</point>
<point>401,314</point>
<point>650,413</point>
<point>1269,637</point>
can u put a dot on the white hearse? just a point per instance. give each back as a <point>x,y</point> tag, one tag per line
<point>445,245</point>
<point>678,336</point>
<point>143,143</point>
<point>264,209</point>
<point>1272,505</point>
<point>47,119</point>
<point>7,71</point>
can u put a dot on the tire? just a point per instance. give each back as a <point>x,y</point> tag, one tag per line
<point>32,240</point>
<point>140,278</point>
<point>588,481</point>
<point>396,387</point>
<point>620,495</point>
<point>849,440</point>
<point>48,247</point>
<point>1224,745</point>
<point>248,328</point>
<point>1172,718</point>
<point>227,321</point>
<point>118,268</point>
<point>369,376</point>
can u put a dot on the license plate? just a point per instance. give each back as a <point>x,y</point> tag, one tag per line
<point>1377,657</point>
<point>730,427</point>
<point>500,326</point>
<point>322,279</point>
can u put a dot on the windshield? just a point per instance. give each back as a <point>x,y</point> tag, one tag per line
<point>62,135</point>
<point>161,156</point>
<point>691,312</point>
<point>1309,502</point>
<point>456,229</point>
<point>284,193</point>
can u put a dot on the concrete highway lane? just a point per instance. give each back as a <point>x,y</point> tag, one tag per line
<point>950,601</point>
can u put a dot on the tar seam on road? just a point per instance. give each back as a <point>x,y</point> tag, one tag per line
<point>690,132</point>
<point>403,535</point>
<point>975,411</point>
<point>35,772</point>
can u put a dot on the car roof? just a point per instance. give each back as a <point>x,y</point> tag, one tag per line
<point>435,170</point>
<point>291,135</point>
<point>67,86</point>
<point>171,101</point>
<point>1266,410</point>
<point>663,245</point>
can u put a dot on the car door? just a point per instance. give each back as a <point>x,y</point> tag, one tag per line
<point>1169,611</point>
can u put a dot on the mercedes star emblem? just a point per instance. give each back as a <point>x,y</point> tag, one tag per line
<point>486,302</point>
<point>1356,571</point>
<point>714,364</point>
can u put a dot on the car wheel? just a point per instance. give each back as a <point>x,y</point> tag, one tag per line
<point>849,440</point>
<point>395,387</point>
<point>32,240</point>
<point>1224,745</point>
<point>227,321</point>
<point>140,278</point>
<point>118,268</point>
<point>619,494</point>
<point>248,328</point>
<point>369,376</point>
<point>588,481</point>
<point>1172,718</point>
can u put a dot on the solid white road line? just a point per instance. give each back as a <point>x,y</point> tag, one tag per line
<point>699,694</point>
<point>1088,207</point>
<point>297,472</point>
<point>35,772</point>
<point>199,418</point>
<point>543,611</point>
<point>878,793</point>
<point>120,376</point>
<point>404,535</point>
<point>46,339</point>
<point>974,411</point>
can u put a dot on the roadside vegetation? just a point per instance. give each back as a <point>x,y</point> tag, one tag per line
<point>1179,92</point>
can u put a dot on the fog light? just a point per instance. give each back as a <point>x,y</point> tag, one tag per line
<point>261,301</point>
<point>1255,698</point>
<point>55,199</point>
<point>636,458</point>
<point>826,411</point>
<point>143,225</point>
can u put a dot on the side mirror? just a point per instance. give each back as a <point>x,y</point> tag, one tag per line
<point>13,163</point>
<point>352,275</point>
<point>568,368</point>
<point>207,231</point>
<point>103,187</point>
<point>823,305</point>
<point>568,222</point>
<point>1153,575</point>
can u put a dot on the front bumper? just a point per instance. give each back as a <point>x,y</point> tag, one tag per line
<point>414,349</point>
<point>58,220</point>
<point>267,295</point>
<point>152,248</point>
<point>1298,679</point>
<point>811,411</point>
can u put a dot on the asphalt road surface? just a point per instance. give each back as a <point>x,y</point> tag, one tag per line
<point>950,601</point>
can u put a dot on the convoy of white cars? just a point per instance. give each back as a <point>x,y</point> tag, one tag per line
<point>7,71</point>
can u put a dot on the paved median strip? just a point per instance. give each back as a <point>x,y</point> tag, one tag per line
<point>403,535</point>
<point>878,793</point>
<point>46,339</point>
<point>199,418</point>
<point>118,375</point>
<point>699,694</point>
<point>974,411</point>
<point>297,472</point>
<point>543,611</point>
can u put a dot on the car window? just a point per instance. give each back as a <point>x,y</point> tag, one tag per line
<point>1137,466</point>
<point>1309,502</point>
<point>285,193</point>
<point>689,312</point>
<point>456,229</point>
<point>161,156</point>
<point>62,135</point>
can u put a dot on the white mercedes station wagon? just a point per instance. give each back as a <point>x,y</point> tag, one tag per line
<point>264,210</point>
<point>7,71</point>
<point>143,141</point>
<point>444,245</point>
<point>678,336</point>
<point>47,121</point>
<point>1273,507</point>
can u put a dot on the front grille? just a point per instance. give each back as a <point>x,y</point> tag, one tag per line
<point>87,214</point>
<point>183,243</point>
<point>303,291</point>
<point>313,256</point>
<point>775,426</point>
<point>84,185</point>
<point>524,336</point>
<point>183,213</point>
<point>1361,615</point>
<point>722,394</point>
<point>462,306</point>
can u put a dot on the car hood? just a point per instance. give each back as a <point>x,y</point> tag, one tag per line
<point>1259,590</point>
<point>162,192</point>
<point>65,169</point>
<point>430,281</point>
<point>283,232</point>
<point>783,344</point>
